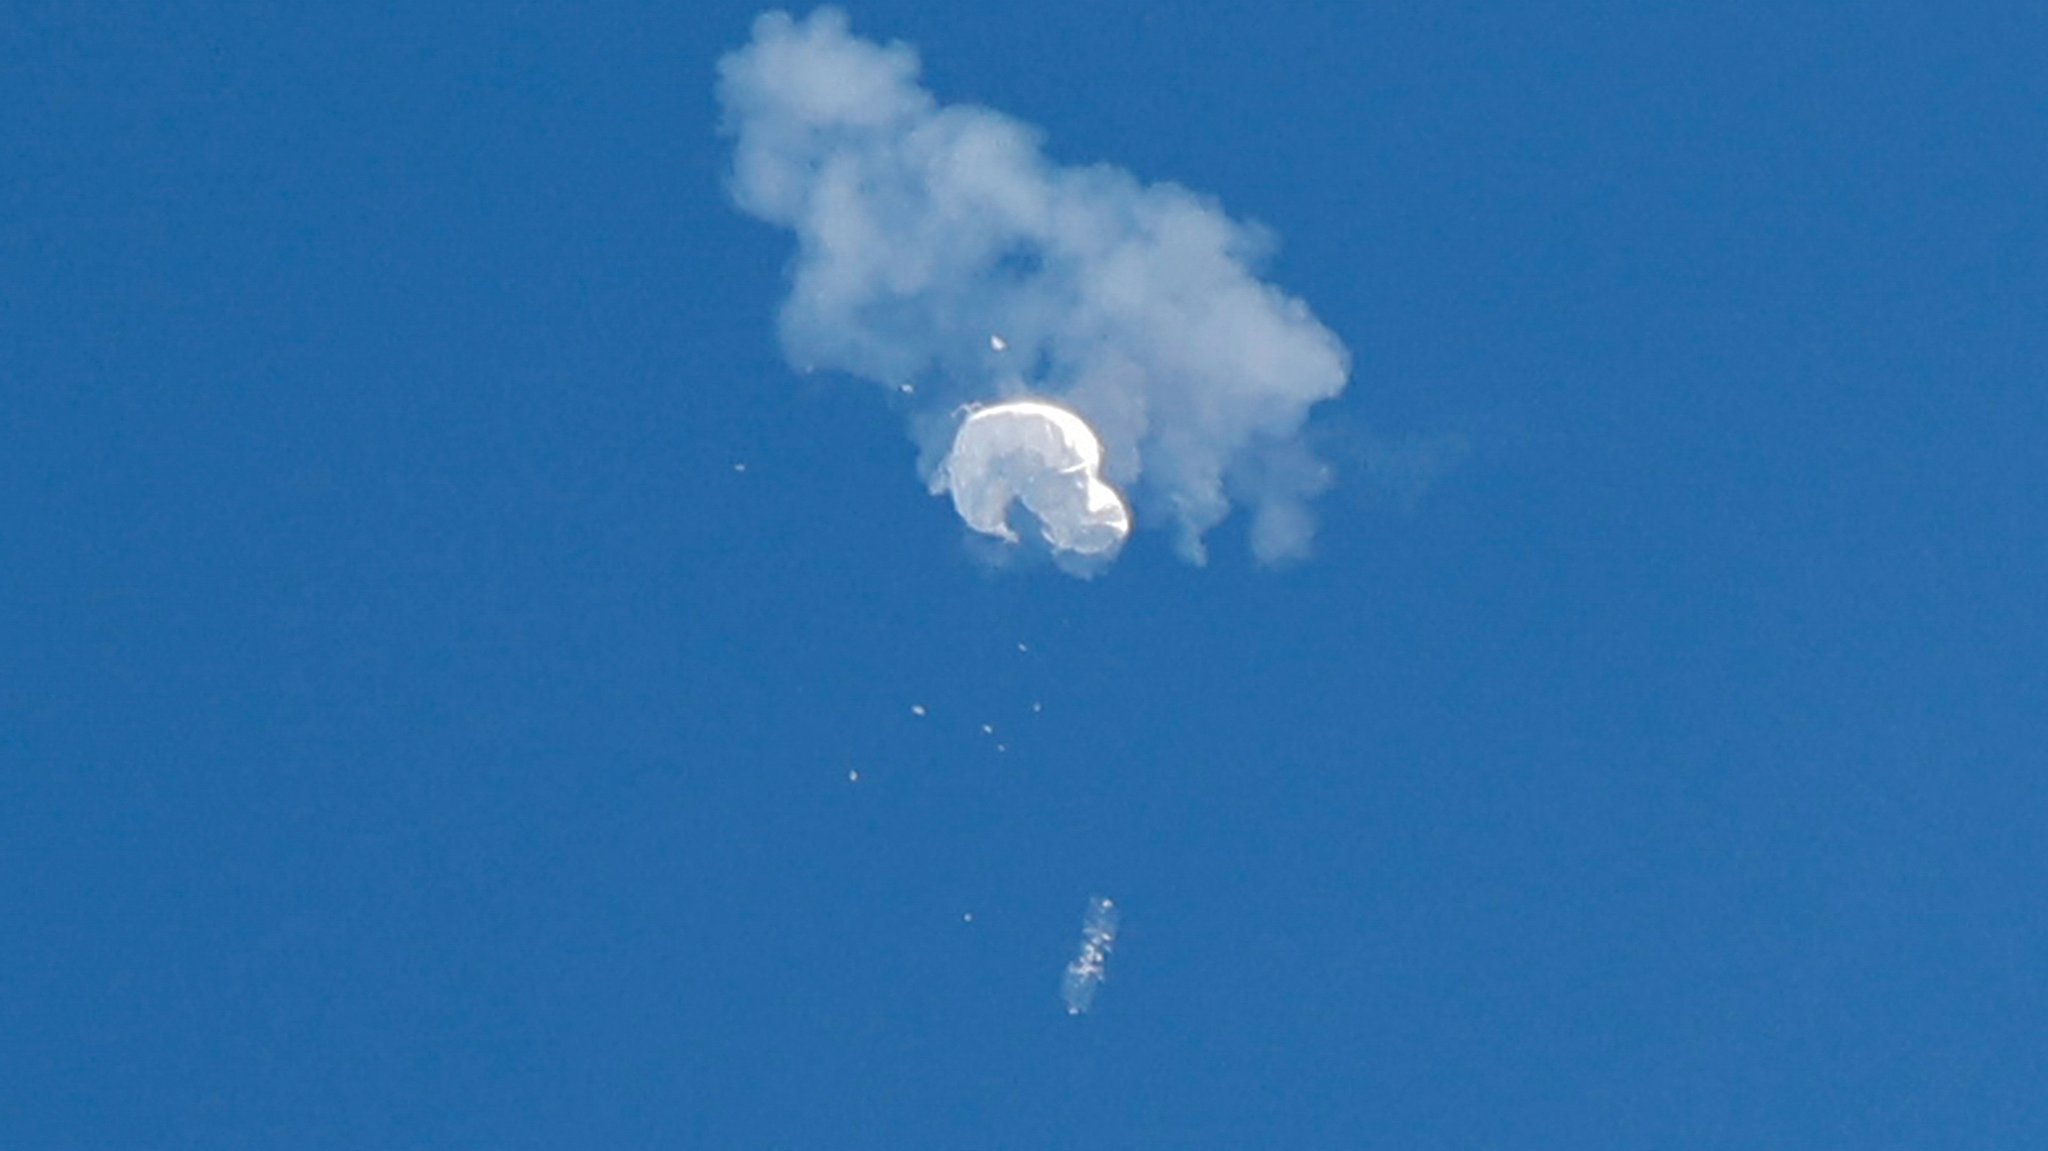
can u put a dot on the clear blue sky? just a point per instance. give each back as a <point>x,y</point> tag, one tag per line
<point>414,732</point>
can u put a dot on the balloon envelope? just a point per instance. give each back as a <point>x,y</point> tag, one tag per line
<point>1043,456</point>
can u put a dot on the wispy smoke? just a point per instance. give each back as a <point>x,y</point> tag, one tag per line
<point>924,229</point>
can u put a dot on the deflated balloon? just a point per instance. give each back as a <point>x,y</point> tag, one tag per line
<point>1045,457</point>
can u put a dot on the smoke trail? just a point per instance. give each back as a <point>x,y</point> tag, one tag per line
<point>941,254</point>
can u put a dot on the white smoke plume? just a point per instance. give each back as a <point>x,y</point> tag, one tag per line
<point>941,254</point>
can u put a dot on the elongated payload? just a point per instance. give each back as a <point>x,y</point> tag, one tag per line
<point>1091,965</point>
<point>1045,457</point>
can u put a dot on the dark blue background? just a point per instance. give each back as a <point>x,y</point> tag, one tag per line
<point>415,732</point>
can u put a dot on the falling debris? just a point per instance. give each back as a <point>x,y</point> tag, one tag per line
<point>853,777</point>
<point>967,918</point>
<point>739,467</point>
<point>988,729</point>
<point>1023,647</point>
<point>917,709</point>
<point>923,227</point>
<point>1036,707</point>
<point>1090,966</point>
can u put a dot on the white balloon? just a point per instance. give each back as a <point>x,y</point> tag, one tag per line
<point>1045,457</point>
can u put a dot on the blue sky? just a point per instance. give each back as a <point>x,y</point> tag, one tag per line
<point>414,730</point>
